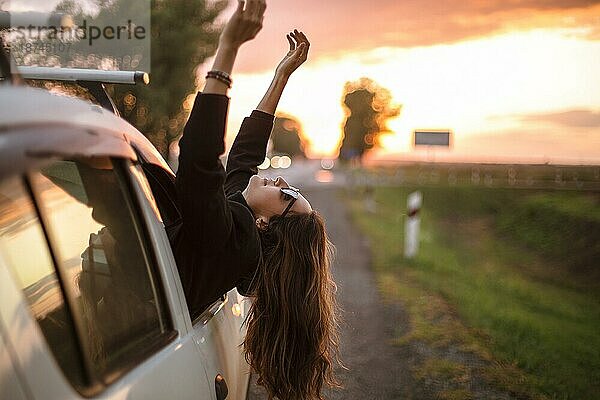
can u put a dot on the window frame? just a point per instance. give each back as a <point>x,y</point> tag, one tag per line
<point>95,382</point>
<point>141,226</point>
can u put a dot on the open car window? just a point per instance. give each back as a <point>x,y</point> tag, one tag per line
<point>163,188</point>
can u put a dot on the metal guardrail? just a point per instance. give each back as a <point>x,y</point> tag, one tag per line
<point>547,177</point>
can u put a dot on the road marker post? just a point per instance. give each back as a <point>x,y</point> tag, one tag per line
<point>413,224</point>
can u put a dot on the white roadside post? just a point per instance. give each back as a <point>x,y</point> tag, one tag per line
<point>412,225</point>
<point>430,138</point>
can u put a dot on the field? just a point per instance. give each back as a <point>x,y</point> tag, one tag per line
<point>508,274</point>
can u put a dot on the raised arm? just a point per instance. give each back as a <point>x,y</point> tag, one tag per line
<point>201,176</point>
<point>243,26</point>
<point>295,57</point>
<point>250,146</point>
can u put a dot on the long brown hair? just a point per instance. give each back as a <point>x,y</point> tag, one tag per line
<point>292,340</point>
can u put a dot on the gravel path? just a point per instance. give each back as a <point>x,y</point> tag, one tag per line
<point>376,368</point>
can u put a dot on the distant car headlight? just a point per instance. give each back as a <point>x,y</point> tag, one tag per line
<point>327,163</point>
<point>285,162</point>
<point>275,161</point>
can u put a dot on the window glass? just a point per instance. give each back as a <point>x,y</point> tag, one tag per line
<point>146,189</point>
<point>24,248</point>
<point>106,270</point>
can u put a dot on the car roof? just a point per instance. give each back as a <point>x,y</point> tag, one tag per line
<point>35,124</point>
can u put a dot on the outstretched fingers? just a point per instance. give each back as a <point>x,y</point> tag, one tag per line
<point>244,24</point>
<point>250,9</point>
<point>255,9</point>
<point>303,51</point>
<point>240,6</point>
<point>301,45</point>
<point>297,54</point>
<point>251,17</point>
<point>303,38</point>
<point>291,42</point>
<point>299,37</point>
<point>262,6</point>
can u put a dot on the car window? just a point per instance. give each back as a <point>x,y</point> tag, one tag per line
<point>144,185</point>
<point>107,271</point>
<point>24,248</point>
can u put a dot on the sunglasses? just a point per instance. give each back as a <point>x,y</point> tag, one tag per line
<point>291,194</point>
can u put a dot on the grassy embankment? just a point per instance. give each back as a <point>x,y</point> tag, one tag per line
<point>512,276</point>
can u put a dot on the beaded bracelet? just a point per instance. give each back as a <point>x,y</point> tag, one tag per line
<point>220,76</point>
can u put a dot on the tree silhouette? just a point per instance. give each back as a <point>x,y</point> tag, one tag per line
<point>287,136</point>
<point>368,107</point>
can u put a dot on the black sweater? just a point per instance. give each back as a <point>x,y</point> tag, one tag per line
<point>216,246</point>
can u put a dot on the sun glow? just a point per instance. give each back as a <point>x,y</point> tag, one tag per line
<point>471,87</point>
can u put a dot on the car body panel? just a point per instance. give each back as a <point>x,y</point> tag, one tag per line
<point>175,370</point>
<point>12,384</point>
<point>30,150</point>
<point>25,106</point>
<point>37,127</point>
<point>226,334</point>
<point>33,358</point>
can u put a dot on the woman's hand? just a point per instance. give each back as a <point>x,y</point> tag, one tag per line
<point>297,55</point>
<point>244,24</point>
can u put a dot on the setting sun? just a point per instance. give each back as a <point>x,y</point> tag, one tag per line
<point>501,94</point>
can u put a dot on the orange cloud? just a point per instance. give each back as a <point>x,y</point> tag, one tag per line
<point>340,26</point>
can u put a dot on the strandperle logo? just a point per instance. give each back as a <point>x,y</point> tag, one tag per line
<point>111,37</point>
<point>83,32</point>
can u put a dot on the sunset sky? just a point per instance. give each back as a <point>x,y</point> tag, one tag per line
<point>513,79</point>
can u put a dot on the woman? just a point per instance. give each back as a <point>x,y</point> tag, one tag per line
<point>260,235</point>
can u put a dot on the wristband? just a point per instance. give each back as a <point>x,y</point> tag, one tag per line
<point>220,76</point>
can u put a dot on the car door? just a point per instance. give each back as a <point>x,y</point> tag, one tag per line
<point>219,333</point>
<point>86,264</point>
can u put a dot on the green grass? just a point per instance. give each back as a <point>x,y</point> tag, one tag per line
<point>486,280</point>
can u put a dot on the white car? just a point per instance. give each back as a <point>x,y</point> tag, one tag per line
<point>91,303</point>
